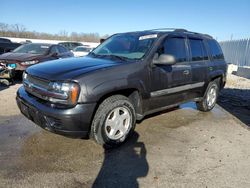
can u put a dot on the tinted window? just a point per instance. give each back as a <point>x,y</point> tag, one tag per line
<point>5,40</point>
<point>1,51</point>
<point>54,49</point>
<point>82,49</point>
<point>215,49</point>
<point>175,47</point>
<point>62,49</point>
<point>198,51</point>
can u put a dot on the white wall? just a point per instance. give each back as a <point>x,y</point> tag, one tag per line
<point>92,44</point>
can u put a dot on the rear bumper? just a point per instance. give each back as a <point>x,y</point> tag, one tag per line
<point>72,122</point>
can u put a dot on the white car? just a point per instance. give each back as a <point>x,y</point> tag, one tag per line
<point>81,51</point>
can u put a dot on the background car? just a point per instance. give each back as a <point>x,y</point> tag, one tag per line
<point>33,53</point>
<point>70,45</point>
<point>81,51</point>
<point>6,45</point>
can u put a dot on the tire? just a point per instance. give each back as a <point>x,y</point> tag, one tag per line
<point>210,98</point>
<point>113,122</point>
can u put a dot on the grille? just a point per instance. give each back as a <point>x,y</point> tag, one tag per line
<point>38,81</point>
<point>32,82</point>
<point>40,88</point>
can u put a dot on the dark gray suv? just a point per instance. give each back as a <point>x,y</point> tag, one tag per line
<point>125,78</point>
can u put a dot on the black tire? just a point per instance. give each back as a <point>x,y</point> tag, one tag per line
<point>98,128</point>
<point>203,105</point>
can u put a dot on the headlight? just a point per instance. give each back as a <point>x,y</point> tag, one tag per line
<point>65,93</point>
<point>29,62</point>
<point>24,76</point>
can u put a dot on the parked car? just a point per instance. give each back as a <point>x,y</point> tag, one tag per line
<point>70,45</point>
<point>81,51</point>
<point>33,53</point>
<point>6,74</point>
<point>127,77</point>
<point>6,45</point>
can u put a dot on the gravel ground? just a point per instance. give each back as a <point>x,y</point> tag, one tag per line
<point>235,98</point>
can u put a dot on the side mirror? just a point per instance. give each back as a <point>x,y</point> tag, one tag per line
<point>164,59</point>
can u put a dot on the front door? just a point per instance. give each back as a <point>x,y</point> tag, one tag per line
<point>169,82</point>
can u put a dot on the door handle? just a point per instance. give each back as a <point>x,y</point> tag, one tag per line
<point>186,72</point>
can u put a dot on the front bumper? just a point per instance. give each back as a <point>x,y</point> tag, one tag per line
<point>72,122</point>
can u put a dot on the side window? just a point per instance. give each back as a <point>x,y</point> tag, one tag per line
<point>198,50</point>
<point>215,49</point>
<point>175,47</point>
<point>62,49</point>
<point>54,49</point>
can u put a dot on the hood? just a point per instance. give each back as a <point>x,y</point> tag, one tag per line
<point>69,68</point>
<point>19,56</point>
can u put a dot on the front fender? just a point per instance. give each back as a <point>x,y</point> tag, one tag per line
<point>114,86</point>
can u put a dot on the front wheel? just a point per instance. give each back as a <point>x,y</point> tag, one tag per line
<point>114,121</point>
<point>209,100</point>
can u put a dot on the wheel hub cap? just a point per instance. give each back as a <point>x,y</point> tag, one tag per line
<point>118,123</point>
<point>211,96</point>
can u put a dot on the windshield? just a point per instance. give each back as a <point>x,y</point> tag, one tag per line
<point>128,46</point>
<point>32,49</point>
<point>82,49</point>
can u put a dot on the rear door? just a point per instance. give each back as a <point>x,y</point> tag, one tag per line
<point>199,63</point>
<point>217,65</point>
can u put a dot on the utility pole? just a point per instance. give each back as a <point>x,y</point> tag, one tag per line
<point>232,36</point>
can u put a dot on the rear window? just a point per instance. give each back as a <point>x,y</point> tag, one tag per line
<point>198,51</point>
<point>215,49</point>
<point>5,40</point>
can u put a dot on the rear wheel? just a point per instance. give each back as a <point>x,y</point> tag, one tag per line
<point>114,121</point>
<point>209,100</point>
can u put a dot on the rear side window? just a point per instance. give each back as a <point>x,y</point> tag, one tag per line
<point>198,51</point>
<point>62,49</point>
<point>215,49</point>
<point>54,49</point>
<point>176,47</point>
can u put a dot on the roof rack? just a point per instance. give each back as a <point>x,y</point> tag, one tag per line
<point>169,29</point>
<point>179,30</point>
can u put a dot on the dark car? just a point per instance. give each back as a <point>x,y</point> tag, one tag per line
<point>6,45</point>
<point>70,45</point>
<point>33,53</point>
<point>127,77</point>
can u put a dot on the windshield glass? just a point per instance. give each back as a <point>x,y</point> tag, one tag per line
<point>129,46</point>
<point>32,49</point>
<point>82,49</point>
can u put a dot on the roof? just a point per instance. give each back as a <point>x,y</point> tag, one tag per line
<point>171,30</point>
<point>47,44</point>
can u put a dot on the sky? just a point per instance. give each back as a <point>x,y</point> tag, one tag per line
<point>223,19</point>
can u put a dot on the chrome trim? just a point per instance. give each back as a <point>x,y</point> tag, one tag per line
<point>43,93</point>
<point>176,89</point>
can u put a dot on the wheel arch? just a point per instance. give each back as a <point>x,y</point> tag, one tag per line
<point>220,76</point>
<point>133,95</point>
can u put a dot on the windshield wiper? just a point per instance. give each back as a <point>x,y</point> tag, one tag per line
<point>122,58</point>
<point>92,53</point>
<point>95,55</point>
<point>117,57</point>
